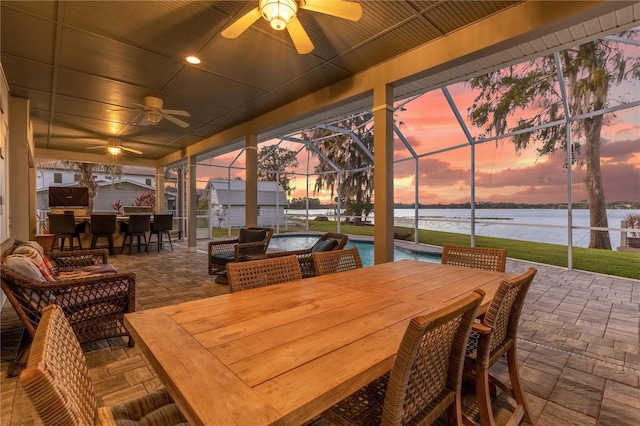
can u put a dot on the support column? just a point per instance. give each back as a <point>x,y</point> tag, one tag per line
<point>160,198</point>
<point>191,205</point>
<point>180,200</point>
<point>383,173</point>
<point>251,185</point>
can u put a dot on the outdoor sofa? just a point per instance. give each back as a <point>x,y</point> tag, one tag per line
<point>92,293</point>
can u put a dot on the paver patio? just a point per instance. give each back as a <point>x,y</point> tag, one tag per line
<point>578,341</point>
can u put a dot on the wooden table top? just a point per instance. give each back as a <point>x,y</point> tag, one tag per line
<point>283,354</point>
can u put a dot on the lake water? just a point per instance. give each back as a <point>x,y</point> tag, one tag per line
<point>538,225</point>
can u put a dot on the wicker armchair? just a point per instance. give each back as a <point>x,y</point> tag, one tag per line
<point>330,262</point>
<point>58,383</point>
<point>490,259</point>
<point>250,241</point>
<point>263,272</point>
<point>426,377</point>
<point>491,339</point>
<point>328,242</point>
<point>94,304</point>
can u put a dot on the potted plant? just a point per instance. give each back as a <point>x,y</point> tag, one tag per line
<point>117,206</point>
<point>633,221</point>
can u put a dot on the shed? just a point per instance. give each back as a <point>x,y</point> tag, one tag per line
<point>227,203</point>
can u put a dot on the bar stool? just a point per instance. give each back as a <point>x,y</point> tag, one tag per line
<point>138,226</point>
<point>63,226</point>
<point>162,224</point>
<point>103,226</point>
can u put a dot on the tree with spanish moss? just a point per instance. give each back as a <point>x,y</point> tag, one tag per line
<point>346,146</point>
<point>276,162</point>
<point>590,70</point>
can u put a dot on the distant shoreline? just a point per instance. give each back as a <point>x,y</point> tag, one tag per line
<point>619,205</point>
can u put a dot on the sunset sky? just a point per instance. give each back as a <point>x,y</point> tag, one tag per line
<point>501,174</point>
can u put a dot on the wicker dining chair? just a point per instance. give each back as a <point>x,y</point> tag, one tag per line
<point>491,339</point>
<point>58,383</point>
<point>263,272</point>
<point>330,262</point>
<point>490,259</point>
<point>327,242</point>
<point>426,377</point>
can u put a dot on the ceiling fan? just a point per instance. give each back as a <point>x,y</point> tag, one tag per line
<point>281,14</point>
<point>115,147</point>
<point>153,113</point>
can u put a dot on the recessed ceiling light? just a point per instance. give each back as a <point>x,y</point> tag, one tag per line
<point>193,60</point>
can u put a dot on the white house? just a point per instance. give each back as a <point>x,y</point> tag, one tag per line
<point>134,181</point>
<point>227,203</point>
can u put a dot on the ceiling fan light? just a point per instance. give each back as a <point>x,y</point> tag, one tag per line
<point>114,150</point>
<point>278,12</point>
<point>153,117</point>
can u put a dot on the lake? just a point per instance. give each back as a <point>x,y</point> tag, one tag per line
<point>538,225</point>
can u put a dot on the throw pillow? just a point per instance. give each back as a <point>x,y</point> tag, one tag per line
<point>326,245</point>
<point>23,264</point>
<point>35,256</point>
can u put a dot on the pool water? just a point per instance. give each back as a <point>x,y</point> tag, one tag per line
<point>301,242</point>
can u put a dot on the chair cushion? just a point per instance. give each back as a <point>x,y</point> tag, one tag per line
<point>326,245</point>
<point>251,235</point>
<point>89,270</point>
<point>223,258</point>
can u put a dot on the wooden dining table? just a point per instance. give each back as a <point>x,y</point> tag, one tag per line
<point>283,354</point>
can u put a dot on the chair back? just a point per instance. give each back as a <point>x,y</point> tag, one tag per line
<point>162,222</point>
<point>103,223</point>
<point>490,259</point>
<point>139,223</point>
<point>502,317</point>
<point>62,224</point>
<point>56,379</point>
<point>428,366</point>
<point>330,262</point>
<point>263,272</point>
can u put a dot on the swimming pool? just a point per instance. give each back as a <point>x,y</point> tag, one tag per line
<point>301,242</point>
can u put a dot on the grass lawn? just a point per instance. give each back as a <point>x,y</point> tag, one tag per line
<point>621,264</point>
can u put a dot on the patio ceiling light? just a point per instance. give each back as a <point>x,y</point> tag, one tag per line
<point>114,150</point>
<point>278,12</point>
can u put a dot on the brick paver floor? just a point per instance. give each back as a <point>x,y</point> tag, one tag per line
<point>578,342</point>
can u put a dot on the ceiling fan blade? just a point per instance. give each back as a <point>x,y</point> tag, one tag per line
<point>95,147</point>
<point>135,151</point>
<point>340,8</point>
<point>176,112</point>
<point>175,120</point>
<point>244,22</point>
<point>299,36</point>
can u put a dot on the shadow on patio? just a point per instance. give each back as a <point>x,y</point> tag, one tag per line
<point>578,341</point>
